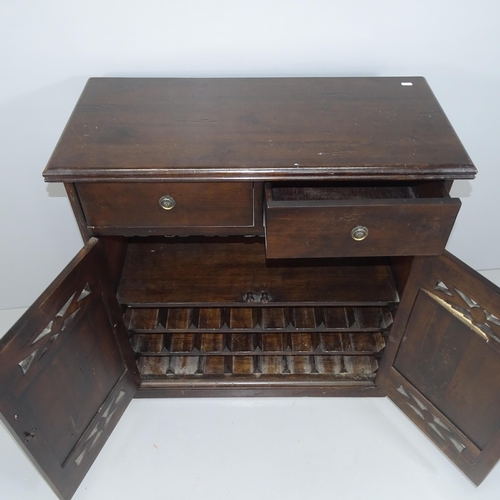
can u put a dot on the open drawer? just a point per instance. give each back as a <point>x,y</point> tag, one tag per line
<point>357,219</point>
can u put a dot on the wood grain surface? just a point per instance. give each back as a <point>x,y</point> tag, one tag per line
<point>259,129</point>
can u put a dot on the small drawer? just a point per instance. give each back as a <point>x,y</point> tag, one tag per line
<point>166,205</point>
<point>341,219</point>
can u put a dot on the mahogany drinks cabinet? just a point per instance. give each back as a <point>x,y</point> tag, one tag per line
<point>254,237</point>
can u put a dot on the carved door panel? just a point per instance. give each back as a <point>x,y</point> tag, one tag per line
<point>442,364</point>
<point>67,372</point>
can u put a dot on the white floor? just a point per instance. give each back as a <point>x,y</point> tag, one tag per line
<point>289,448</point>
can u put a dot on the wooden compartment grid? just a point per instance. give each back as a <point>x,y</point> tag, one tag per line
<point>339,342</point>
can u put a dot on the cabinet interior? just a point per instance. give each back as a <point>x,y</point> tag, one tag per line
<point>202,311</point>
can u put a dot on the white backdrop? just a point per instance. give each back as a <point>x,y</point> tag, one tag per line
<point>50,48</point>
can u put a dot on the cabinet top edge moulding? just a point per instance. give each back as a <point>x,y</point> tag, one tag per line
<point>224,129</point>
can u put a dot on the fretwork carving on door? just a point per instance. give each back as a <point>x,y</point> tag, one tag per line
<point>469,311</point>
<point>56,326</point>
<point>434,422</point>
<point>100,425</point>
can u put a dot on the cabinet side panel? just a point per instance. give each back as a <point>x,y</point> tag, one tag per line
<point>77,210</point>
<point>401,267</point>
<point>115,249</point>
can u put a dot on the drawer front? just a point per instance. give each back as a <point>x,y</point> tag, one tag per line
<point>358,228</point>
<point>167,205</point>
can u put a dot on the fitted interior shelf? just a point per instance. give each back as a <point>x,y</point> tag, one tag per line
<point>266,319</point>
<point>214,312</point>
<point>235,272</point>
<point>257,345</point>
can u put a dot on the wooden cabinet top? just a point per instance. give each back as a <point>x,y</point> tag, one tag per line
<point>258,129</point>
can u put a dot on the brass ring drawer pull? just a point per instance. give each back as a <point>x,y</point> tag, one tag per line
<point>359,233</point>
<point>166,202</point>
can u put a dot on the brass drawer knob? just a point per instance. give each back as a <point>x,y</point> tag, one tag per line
<point>166,202</point>
<point>359,233</point>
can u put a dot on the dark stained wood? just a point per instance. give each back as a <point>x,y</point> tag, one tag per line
<point>257,319</point>
<point>178,319</point>
<point>209,318</point>
<point>335,191</point>
<point>143,319</point>
<point>359,344</point>
<point>77,210</point>
<point>442,362</point>
<point>215,317</point>
<point>178,231</point>
<point>279,388</point>
<point>258,193</point>
<point>241,347</point>
<point>317,221</point>
<point>259,129</point>
<point>136,205</point>
<point>226,272</point>
<point>274,318</point>
<point>401,267</point>
<point>242,318</point>
<point>115,249</point>
<point>67,372</point>
<point>246,371</point>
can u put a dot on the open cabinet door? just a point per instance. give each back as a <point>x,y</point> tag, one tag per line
<point>442,365</point>
<point>67,372</point>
